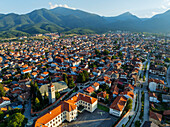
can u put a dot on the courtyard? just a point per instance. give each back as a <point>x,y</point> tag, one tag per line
<point>98,118</point>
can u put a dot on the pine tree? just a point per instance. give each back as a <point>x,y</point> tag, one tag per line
<point>2,91</point>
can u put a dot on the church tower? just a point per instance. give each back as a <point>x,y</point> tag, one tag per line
<point>51,93</point>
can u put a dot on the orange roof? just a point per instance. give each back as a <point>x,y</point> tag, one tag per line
<point>89,89</point>
<point>45,73</point>
<point>96,84</point>
<point>24,66</point>
<point>65,105</point>
<point>26,70</point>
<point>5,99</point>
<point>34,73</point>
<point>119,103</point>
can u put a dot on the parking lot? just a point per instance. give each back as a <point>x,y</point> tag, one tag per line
<point>98,118</point>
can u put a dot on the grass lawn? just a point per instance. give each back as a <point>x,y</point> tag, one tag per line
<point>101,107</point>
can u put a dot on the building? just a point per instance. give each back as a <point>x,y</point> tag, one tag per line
<point>67,110</point>
<point>89,90</point>
<point>153,98</point>
<point>4,101</point>
<point>118,105</point>
<point>51,93</point>
<point>165,98</point>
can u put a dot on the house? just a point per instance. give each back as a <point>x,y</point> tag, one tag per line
<point>166,114</point>
<point>4,101</point>
<point>102,95</point>
<point>115,91</point>
<point>155,117</point>
<point>95,85</point>
<point>127,94</point>
<point>153,98</point>
<point>165,98</point>
<point>44,74</point>
<point>155,84</point>
<point>118,105</point>
<point>128,87</point>
<point>89,90</point>
<point>26,71</point>
<point>67,110</point>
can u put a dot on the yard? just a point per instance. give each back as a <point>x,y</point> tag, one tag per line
<point>101,107</point>
<point>98,118</point>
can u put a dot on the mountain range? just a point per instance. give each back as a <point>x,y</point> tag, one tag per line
<point>66,20</point>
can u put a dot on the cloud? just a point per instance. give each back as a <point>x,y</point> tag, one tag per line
<point>60,5</point>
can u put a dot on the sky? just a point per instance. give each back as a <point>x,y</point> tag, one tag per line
<point>140,8</point>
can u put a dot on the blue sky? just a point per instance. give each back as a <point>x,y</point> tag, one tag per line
<point>141,8</point>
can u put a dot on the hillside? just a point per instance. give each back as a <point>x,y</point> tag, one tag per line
<point>67,20</point>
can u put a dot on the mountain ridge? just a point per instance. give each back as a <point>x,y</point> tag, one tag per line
<point>62,19</point>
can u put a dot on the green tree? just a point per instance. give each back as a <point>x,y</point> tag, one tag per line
<point>57,95</point>
<point>97,52</point>
<point>2,91</point>
<point>107,99</point>
<point>106,52</point>
<point>1,115</point>
<point>129,104</point>
<point>15,120</point>
<point>94,94</point>
<point>73,43</point>
<point>137,123</point>
<point>86,74</point>
<point>37,103</point>
<point>46,100</point>
<point>115,42</point>
<point>81,78</point>
<point>65,78</point>
<point>113,57</point>
<point>71,83</point>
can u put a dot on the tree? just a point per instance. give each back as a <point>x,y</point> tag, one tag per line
<point>81,78</point>
<point>37,103</point>
<point>107,99</point>
<point>65,78</point>
<point>72,42</point>
<point>113,57</point>
<point>94,94</point>
<point>86,74</point>
<point>46,100</point>
<point>71,83</point>
<point>137,123</point>
<point>2,91</point>
<point>123,125</point>
<point>57,95</point>
<point>120,54</point>
<point>129,104</point>
<point>15,120</point>
<point>106,52</point>
<point>115,42</point>
<point>97,52</point>
<point>1,115</point>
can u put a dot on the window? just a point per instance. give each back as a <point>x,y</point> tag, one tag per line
<point>51,122</point>
<point>88,104</point>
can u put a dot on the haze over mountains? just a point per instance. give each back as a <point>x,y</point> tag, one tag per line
<point>67,20</point>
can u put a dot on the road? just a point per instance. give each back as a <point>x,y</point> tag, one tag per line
<point>168,76</point>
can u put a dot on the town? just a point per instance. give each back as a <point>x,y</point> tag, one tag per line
<point>114,79</point>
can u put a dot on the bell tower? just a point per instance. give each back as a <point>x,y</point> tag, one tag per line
<point>51,93</point>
